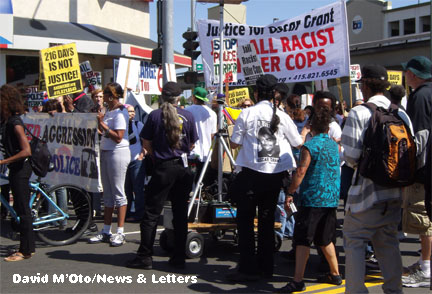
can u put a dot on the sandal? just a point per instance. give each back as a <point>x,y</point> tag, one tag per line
<point>17,256</point>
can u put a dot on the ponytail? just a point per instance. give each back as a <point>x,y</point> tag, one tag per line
<point>171,124</point>
<point>275,119</point>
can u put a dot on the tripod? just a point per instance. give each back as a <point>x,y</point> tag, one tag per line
<point>222,146</point>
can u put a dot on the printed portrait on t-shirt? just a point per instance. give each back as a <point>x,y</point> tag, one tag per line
<point>268,149</point>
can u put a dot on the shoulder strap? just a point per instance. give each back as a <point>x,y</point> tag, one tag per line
<point>28,131</point>
<point>371,106</point>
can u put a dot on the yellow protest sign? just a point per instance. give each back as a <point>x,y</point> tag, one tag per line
<point>395,77</point>
<point>42,85</point>
<point>235,96</point>
<point>61,69</point>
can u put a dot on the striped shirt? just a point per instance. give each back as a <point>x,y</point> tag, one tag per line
<point>364,193</point>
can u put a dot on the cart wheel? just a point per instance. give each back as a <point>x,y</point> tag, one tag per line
<point>165,240</point>
<point>194,245</point>
<point>235,237</point>
<point>278,242</point>
<point>217,235</point>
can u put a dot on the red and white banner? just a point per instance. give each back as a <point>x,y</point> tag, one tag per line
<point>312,46</point>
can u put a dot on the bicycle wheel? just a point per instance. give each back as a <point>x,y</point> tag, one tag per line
<point>73,201</point>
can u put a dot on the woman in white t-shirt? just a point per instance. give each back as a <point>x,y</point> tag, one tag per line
<point>115,157</point>
<point>265,135</point>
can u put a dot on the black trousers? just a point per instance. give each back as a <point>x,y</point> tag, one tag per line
<point>19,184</point>
<point>253,189</point>
<point>170,180</point>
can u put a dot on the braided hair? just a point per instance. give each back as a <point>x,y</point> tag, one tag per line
<point>170,119</point>
<point>265,88</point>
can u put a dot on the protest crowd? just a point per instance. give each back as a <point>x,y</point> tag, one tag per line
<point>297,164</point>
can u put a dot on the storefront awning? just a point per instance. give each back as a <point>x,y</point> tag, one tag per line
<point>33,34</point>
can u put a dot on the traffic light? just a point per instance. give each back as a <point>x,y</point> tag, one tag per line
<point>156,56</point>
<point>190,77</point>
<point>191,44</point>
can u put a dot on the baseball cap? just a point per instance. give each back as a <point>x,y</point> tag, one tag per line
<point>266,82</point>
<point>372,71</point>
<point>171,89</point>
<point>420,66</point>
<point>200,93</point>
<point>282,88</point>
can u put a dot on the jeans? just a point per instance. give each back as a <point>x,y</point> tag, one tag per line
<point>60,198</point>
<point>287,220</point>
<point>134,188</point>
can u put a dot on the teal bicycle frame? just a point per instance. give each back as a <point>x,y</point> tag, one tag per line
<point>35,188</point>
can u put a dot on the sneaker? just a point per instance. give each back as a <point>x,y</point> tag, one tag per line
<point>328,278</point>
<point>416,279</point>
<point>292,287</point>
<point>372,262</point>
<point>117,240</point>
<point>101,237</point>
<point>411,269</point>
<point>91,230</point>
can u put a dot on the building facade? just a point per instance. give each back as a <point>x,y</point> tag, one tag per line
<point>102,31</point>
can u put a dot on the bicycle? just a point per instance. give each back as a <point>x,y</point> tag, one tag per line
<point>54,225</point>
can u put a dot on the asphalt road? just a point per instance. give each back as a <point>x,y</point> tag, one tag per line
<point>99,268</point>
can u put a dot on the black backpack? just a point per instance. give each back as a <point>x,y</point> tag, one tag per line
<point>389,150</point>
<point>41,157</point>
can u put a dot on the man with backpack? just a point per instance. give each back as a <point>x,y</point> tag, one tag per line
<point>372,209</point>
<point>415,219</point>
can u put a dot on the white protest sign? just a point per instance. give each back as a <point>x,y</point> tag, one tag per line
<point>141,108</point>
<point>74,145</point>
<point>85,66</point>
<point>312,46</point>
<point>150,78</point>
<point>250,63</point>
<point>229,59</point>
<point>95,81</point>
<point>34,98</point>
<point>355,72</point>
<point>127,72</point>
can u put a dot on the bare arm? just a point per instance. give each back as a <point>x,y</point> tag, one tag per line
<point>24,146</point>
<point>115,135</point>
<point>298,175</point>
<point>147,145</point>
<point>234,145</point>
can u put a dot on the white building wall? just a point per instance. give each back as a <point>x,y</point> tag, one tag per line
<point>236,13</point>
<point>127,16</point>
<point>406,13</point>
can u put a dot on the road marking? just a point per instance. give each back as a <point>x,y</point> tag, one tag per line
<point>138,232</point>
<point>375,280</point>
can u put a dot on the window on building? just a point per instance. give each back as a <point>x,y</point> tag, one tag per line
<point>22,70</point>
<point>394,28</point>
<point>409,26</point>
<point>425,24</point>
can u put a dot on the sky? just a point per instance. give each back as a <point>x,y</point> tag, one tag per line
<point>258,12</point>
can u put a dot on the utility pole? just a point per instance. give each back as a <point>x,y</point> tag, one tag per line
<point>168,38</point>
<point>193,28</point>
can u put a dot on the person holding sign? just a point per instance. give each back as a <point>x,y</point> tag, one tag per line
<point>264,157</point>
<point>115,157</point>
<point>16,150</point>
<point>168,136</point>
